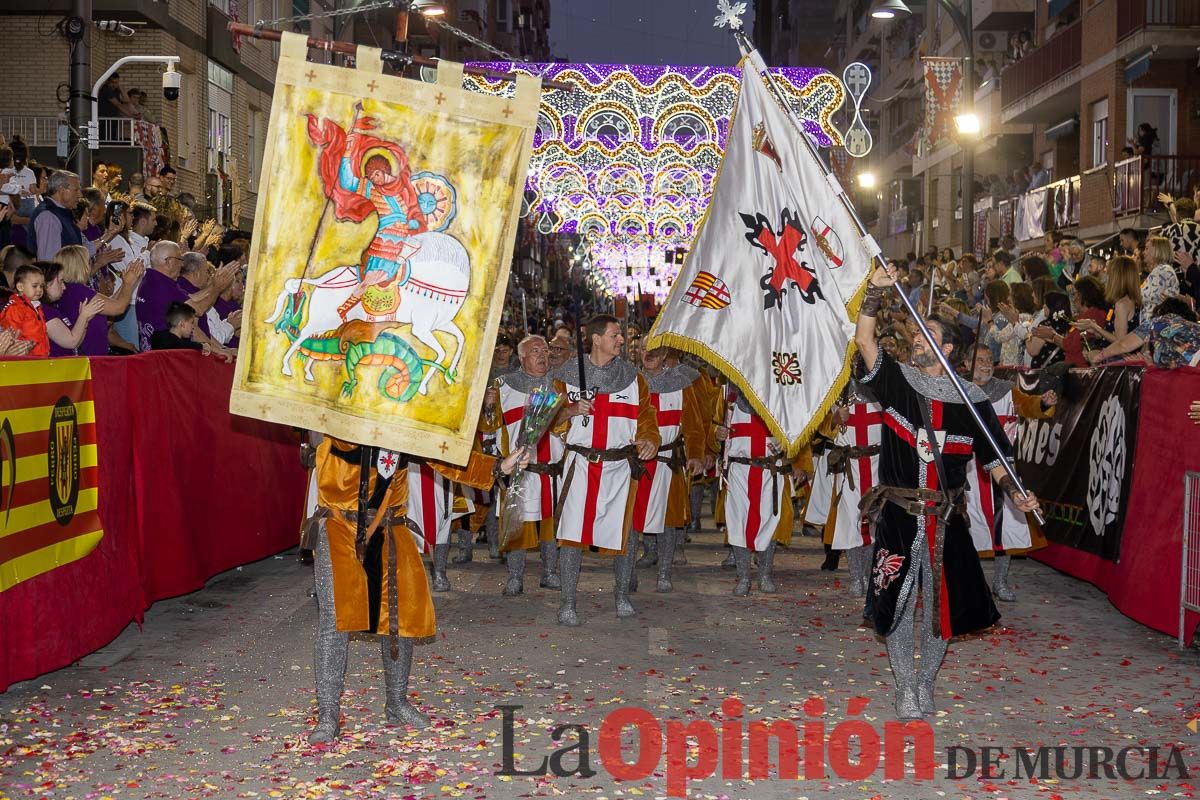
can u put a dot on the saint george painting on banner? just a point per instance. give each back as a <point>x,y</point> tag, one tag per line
<point>388,210</point>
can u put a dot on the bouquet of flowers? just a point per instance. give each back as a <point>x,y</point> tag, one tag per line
<point>541,407</point>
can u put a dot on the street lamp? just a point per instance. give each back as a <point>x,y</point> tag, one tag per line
<point>966,122</point>
<point>866,180</point>
<point>889,9</point>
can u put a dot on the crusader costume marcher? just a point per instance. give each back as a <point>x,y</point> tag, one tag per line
<point>433,505</point>
<point>369,576</point>
<point>540,483</point>
<point>997,527</point>
<point>610,430</point>
<point>922,541</point>
<point>758,494</point>
<point>853,465</point>
<point>662,504</point>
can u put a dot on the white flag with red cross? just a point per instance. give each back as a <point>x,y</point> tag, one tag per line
<point>766,290</point>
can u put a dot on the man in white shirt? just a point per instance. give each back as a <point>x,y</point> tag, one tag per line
<point>134,245</point>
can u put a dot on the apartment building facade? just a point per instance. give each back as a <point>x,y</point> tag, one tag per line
<point>1061,84</point>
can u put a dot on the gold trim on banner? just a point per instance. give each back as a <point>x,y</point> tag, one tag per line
<point>469,154</point>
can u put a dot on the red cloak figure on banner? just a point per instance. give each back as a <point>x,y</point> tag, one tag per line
<point>361,174</point>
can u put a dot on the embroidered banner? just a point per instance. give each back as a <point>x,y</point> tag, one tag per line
<point>943,96</point>
<point>49,479</point>
<point>767,290</point>
<point>1080,462</point>
<point>385,222</point>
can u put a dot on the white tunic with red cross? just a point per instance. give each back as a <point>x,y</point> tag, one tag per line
<point>539,490</point>
<point>593,510</point>
<point>1013,530</point>
<point>863,429</point>
<point>431,505</point>
<point>750,514</point>
<point>650,505</point>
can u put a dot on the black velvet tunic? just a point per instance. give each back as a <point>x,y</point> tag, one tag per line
<point>906,461</point>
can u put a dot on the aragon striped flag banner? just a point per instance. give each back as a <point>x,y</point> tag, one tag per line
<point>49,477</point>
<point>766,290</point>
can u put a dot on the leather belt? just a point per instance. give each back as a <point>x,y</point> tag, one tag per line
<point>627,453</point>
<point>776,465</point>
<point>842,456</point>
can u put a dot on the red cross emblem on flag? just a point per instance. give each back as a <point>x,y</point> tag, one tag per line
<point>708,291</point>
<point>787,271</point>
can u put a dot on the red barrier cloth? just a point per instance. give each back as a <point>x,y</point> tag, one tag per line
<point>1144,585</point>
<point>187,491</point>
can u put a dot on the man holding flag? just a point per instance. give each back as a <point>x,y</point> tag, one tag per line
<point>922,539</point>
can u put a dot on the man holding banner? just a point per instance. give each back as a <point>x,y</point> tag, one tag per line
<point>922,538</point>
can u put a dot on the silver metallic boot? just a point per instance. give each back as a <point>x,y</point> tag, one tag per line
<point>728,563</point>
<point>649,551</point>
<point>679,556</point>
<point>491,526</point>
<point>741,560</point>
<point>399,710</point>
<point>516,574</point>
<point>623,569</point>
<point>465,547</point>
<point>860,563</point>
<point>666,553</point>
<point>569,561</point>
<point>440,582</point>
<point>632,551</point>
<point>329,652</point>
<point>933,652</point>
<point>766,565</point>
<point>900,649</point>
<point>549,552</point>
<point>1000,587</point>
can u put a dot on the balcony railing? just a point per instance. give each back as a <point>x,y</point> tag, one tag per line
<point>1136,15</point>
<point>1138,181</point>
<point>35,131</point>
<point>1055,58</point>
<point>1053,207</point>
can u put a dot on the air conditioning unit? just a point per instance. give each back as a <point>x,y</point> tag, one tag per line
<point>990,41</point>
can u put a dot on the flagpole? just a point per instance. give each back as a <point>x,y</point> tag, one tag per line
<point>747,49</point>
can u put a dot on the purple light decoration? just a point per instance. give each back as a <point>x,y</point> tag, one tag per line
<point>629,158</point>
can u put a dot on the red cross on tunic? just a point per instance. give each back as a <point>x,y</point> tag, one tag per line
<point>388,461</point>
<point>987,499</point>
<point>860,421</point>
<point>604,408</point>
<point>429,521</point>
<point>666,417</point>
<point>756,431</point>
<point>936,407</point>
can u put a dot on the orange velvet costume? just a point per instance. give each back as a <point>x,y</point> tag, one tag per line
<point>387,576</point>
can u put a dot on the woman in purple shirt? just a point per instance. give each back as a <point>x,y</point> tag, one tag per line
<point>76,315</point>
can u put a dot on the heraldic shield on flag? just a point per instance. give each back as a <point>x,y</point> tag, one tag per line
<point>775,274</point>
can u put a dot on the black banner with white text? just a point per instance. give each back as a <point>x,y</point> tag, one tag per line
<point>1080,462</point>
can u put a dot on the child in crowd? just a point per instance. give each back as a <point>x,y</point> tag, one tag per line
<point>182,319</point>
<point>23,312</point>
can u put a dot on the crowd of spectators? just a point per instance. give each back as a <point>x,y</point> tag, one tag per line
<point>1061,304</point>
<point>109,268</point>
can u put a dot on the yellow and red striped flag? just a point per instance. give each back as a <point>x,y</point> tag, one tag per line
<point>49,476</point>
